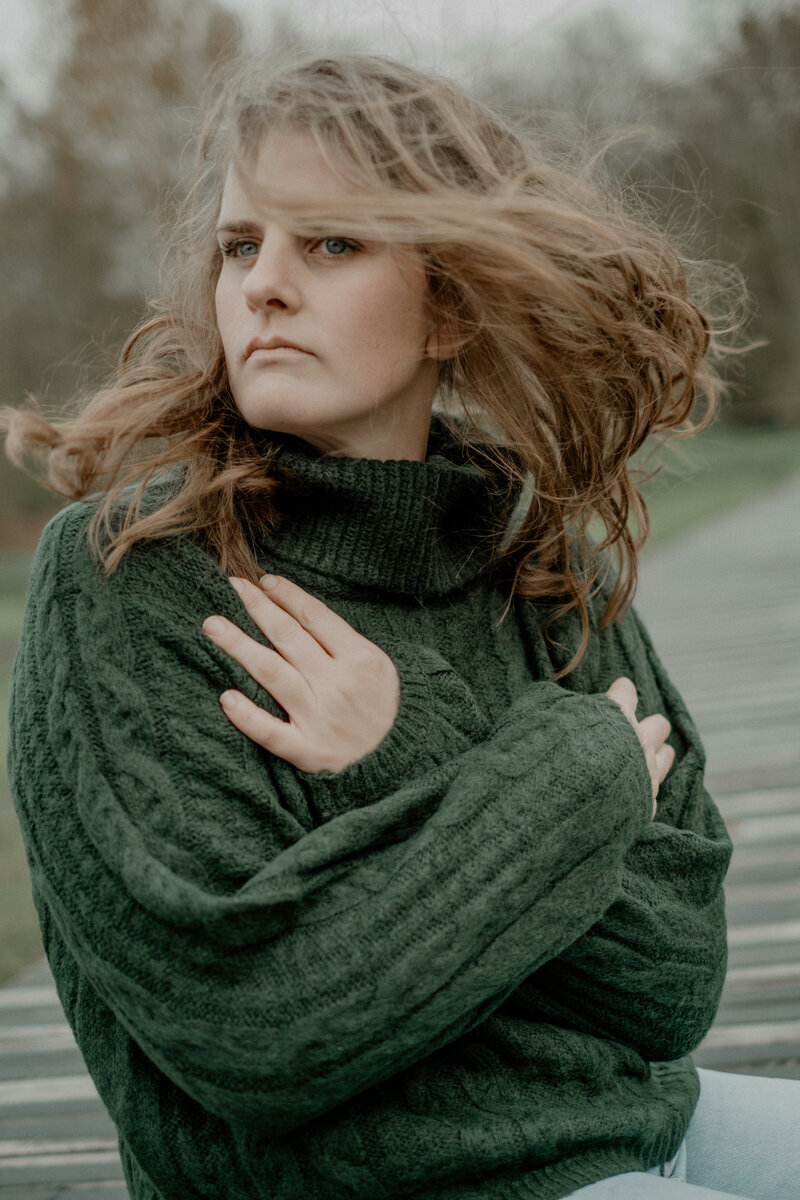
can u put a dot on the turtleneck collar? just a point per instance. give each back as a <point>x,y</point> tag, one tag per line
<point>416,528</point>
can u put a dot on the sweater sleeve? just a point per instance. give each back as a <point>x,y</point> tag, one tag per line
<point>650,972</point>
<point>271,968</point>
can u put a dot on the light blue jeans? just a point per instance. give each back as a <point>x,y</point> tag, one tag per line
<point>743,1141</point>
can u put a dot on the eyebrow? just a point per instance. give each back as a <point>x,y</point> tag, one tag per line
<point>237,227</point>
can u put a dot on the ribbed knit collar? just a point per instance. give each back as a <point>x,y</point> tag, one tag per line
<point>417,528</point>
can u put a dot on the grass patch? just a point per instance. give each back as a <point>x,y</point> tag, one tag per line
<point>701,477</point>
<point>715,471</point>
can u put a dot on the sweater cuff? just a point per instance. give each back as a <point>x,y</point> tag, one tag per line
<point>437,718</point>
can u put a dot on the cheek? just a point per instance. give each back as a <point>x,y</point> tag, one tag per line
<point>226,316</point>
<point>393,318</point>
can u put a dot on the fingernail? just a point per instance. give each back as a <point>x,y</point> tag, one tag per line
<point>228,699</point>
<point>214,626</point>
<point>235,583</point>
<point>268,581</point>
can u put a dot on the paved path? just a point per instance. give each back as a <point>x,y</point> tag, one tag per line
<point>723,604</point>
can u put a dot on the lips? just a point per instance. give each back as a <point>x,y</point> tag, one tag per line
<point>273,343</point>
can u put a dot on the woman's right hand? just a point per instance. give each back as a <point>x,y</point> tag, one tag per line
<point>652,733</point>
<point>340,692</point>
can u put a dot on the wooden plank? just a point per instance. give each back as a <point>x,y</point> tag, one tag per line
<point>767,829</point>
<point>54,1089</point>
<point>29,998</point>
<point>754,1033</point>
<point>759,893</point>
<point>41,1146</point>
<point>774,973</point>
<point>759,803</point>
<point>101,1166</point>
<point>101,1190</point>
<point>74,1121</point>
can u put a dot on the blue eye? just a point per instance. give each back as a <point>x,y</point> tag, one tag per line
<point>240,248</point>
<point>336,247</point>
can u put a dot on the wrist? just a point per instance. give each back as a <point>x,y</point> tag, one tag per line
<point>437,718</point>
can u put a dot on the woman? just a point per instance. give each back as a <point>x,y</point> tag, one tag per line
<point>399,915</point>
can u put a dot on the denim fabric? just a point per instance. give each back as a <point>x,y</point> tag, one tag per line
<point>743,1141</point>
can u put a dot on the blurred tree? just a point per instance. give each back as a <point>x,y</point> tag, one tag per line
<point>741,122</point>
<point>86,175</point>
<point>716,157</point>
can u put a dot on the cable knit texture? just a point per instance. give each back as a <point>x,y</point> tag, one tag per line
<point>467,967</point>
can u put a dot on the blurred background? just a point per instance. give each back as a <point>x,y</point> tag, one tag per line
<point>97,101</point>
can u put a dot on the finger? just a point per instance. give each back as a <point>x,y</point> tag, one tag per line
<point>268,668</point>
<point>623,693</point>
<point>260,726</point>
<point>330,630</point>
<point>288,636</point>
<point>665,757</point>
<point>655,729</point>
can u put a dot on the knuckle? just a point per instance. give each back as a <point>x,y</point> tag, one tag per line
<point>311,611</point>
<point>235,639</point>
<point>270,664</point>
<point>284,628</point>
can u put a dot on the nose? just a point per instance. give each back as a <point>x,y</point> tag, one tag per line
<point>273,278</point>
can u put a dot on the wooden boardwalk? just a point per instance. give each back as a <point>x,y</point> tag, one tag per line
<point>723,604</point>
<point>56,1139</point>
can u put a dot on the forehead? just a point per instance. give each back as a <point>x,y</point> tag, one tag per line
<point>288,167</point>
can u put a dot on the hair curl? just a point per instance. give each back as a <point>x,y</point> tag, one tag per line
<point>577,335</point>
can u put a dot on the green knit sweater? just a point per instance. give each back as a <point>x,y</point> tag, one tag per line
<point>467,966</point>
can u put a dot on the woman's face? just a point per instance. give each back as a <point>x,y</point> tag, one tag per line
<point>361,376</point>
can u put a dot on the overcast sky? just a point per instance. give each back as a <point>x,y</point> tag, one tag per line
<point>455,34</point>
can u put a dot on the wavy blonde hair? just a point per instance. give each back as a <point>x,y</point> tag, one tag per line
<point>577,335</point>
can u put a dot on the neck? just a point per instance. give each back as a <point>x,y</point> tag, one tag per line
<point>399,439</point>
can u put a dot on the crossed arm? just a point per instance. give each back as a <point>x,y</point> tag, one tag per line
<point>339,692</point>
